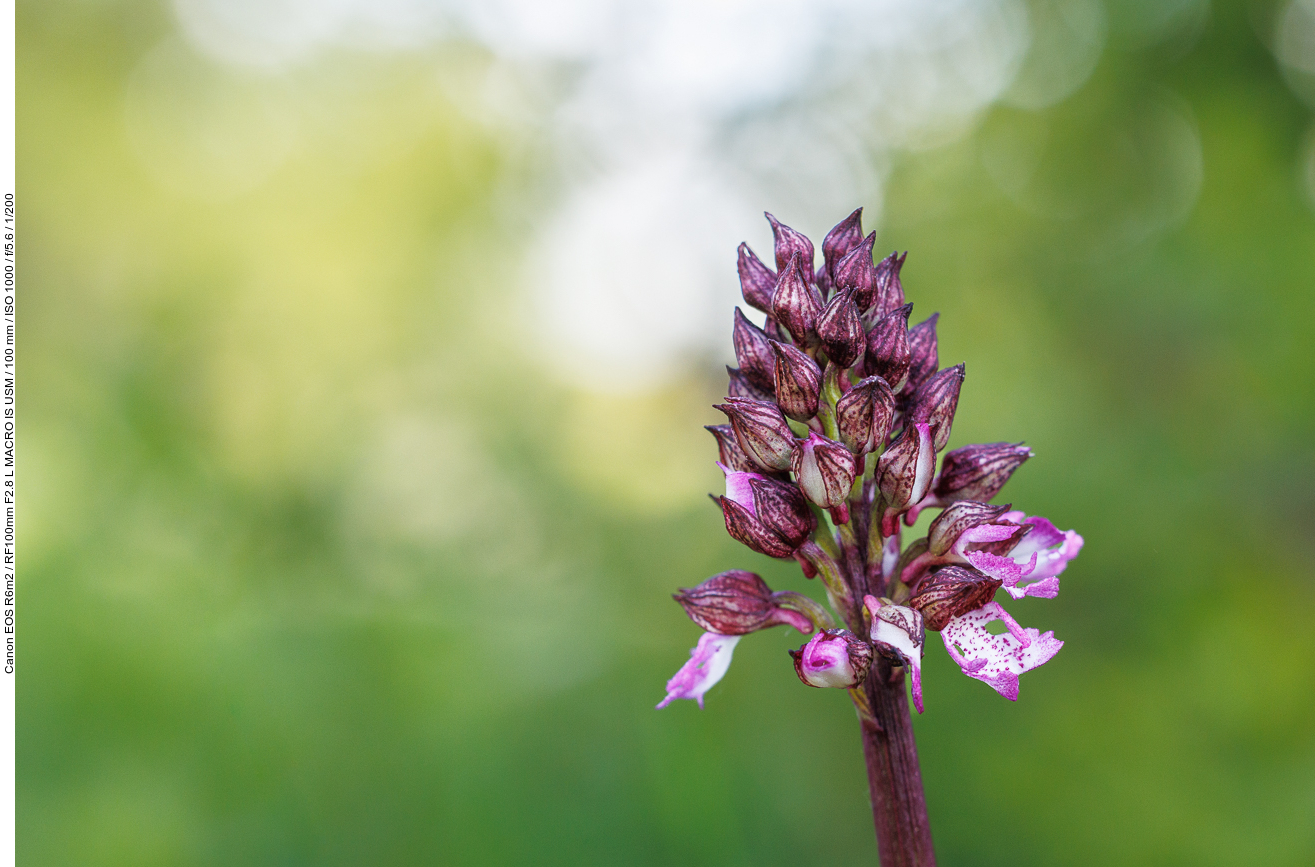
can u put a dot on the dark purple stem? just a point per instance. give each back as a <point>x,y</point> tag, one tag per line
<point>899,809</point>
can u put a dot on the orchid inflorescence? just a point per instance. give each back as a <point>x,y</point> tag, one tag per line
<point>837,413</point>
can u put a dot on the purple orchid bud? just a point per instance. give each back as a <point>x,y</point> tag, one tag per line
<point>898,633</point>
<point>855,273</point>
<point>738,385</point>
<point>707,665</point>
<point>790,243</point>
<point>798,382</point>
<point>746,529</point>
<point>762,431</point>
<point>834,658</point>
<point>960,518</point>
<point>997,660</point>
<point>753,350</point>
<point>840,329</point>
<point>864,415</point>
<point>1038,558</point>
<point>757,281</point>
<point>890,292</point>
<point>922,353</point>
<point>768,515</point>
<point>825,470</point>
<point>796,303</point>
<point>845,236</point>
<point>737,603</point>
<point>781,507</point>
<point>728,449</point>
<point>904,471</point>
<point>978,472</point>
<point>951,591</point>
<point>936,402</point>
<point>888,348</point>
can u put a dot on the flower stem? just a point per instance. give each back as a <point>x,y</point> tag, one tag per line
<point>899,809</point>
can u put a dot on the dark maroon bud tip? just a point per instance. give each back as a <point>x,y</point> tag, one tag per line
<point>788,244</point>
<point>761,430</point>
<point>744,527</point>
<point>951,591</point>
<point>740,386</point>
<point>728,449</point>
<point>840,328</point>
<point>798,382</point>
<point>757,281</point>
<point>889,290</point>
<point>978,472</point>
<point>737,603</point>
<point>922,353</point>
<point>845,236</point>
<point>936,401</point>
<point>864,415</point>
<point>753,350</point>
<point>888,348</point>
<point>856,273</point>
<point>781,507</point>
<point>796,303</point>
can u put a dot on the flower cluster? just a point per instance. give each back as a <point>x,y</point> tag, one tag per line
<point>836,415</point>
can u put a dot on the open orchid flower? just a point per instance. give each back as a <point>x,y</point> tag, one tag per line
<point>1038,558</point>
<point>707,665</point>
<point>997,660</point>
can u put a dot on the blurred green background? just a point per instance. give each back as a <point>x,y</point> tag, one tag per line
<point>321,565</point>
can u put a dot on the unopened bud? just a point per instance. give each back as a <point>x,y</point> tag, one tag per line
<point>978,472</point>
<point>753,350</point>
<point>855,272</point>
<point>729,452</point>
<point>737,603</point>
<point>890,292</point>
<point>958,518</point>
<point>888,348</point>
<point>845,236</point>
<point>768,515</point>
<point>796,303</point>
<point>840,329</point>
<point>783,510</point>
<point>904,471</point>
<point>798,382</point>
<point>833,658</point>
<point>762,431</point>
<point>864,415</point>
<point>936,402</point>
<point>951,591</point>
<point>738,385</point>
<point>898,634</point>
<point>788,244</point>
<point>757,281</point>
<point>922,353</point>
<point>825,470</point>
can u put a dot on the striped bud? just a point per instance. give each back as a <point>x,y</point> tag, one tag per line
<point>798,382</point>
<point>904,470</point>
<point>856,273</point>
<point>888,348</point>
<point>757,281</point>
<point>761,430</point>
<point>864,415</point>
<point>922,353</point>
<point>788,244</point>
<point>840,329</point>
<point>753,351</point>
<point>978,472</point>
<point>796,303</point>
<point>737,603</point>
<point>936,402</point>
<point>825,470</point>
<point>951,591</point>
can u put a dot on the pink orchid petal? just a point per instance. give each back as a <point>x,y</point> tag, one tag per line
<point>905,637</point>
<point>997,660</point>
<point>738,489</point>
<point>1005,569</point>
<point>707,665</point>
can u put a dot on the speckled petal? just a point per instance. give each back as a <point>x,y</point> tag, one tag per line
<point>997,660</point>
